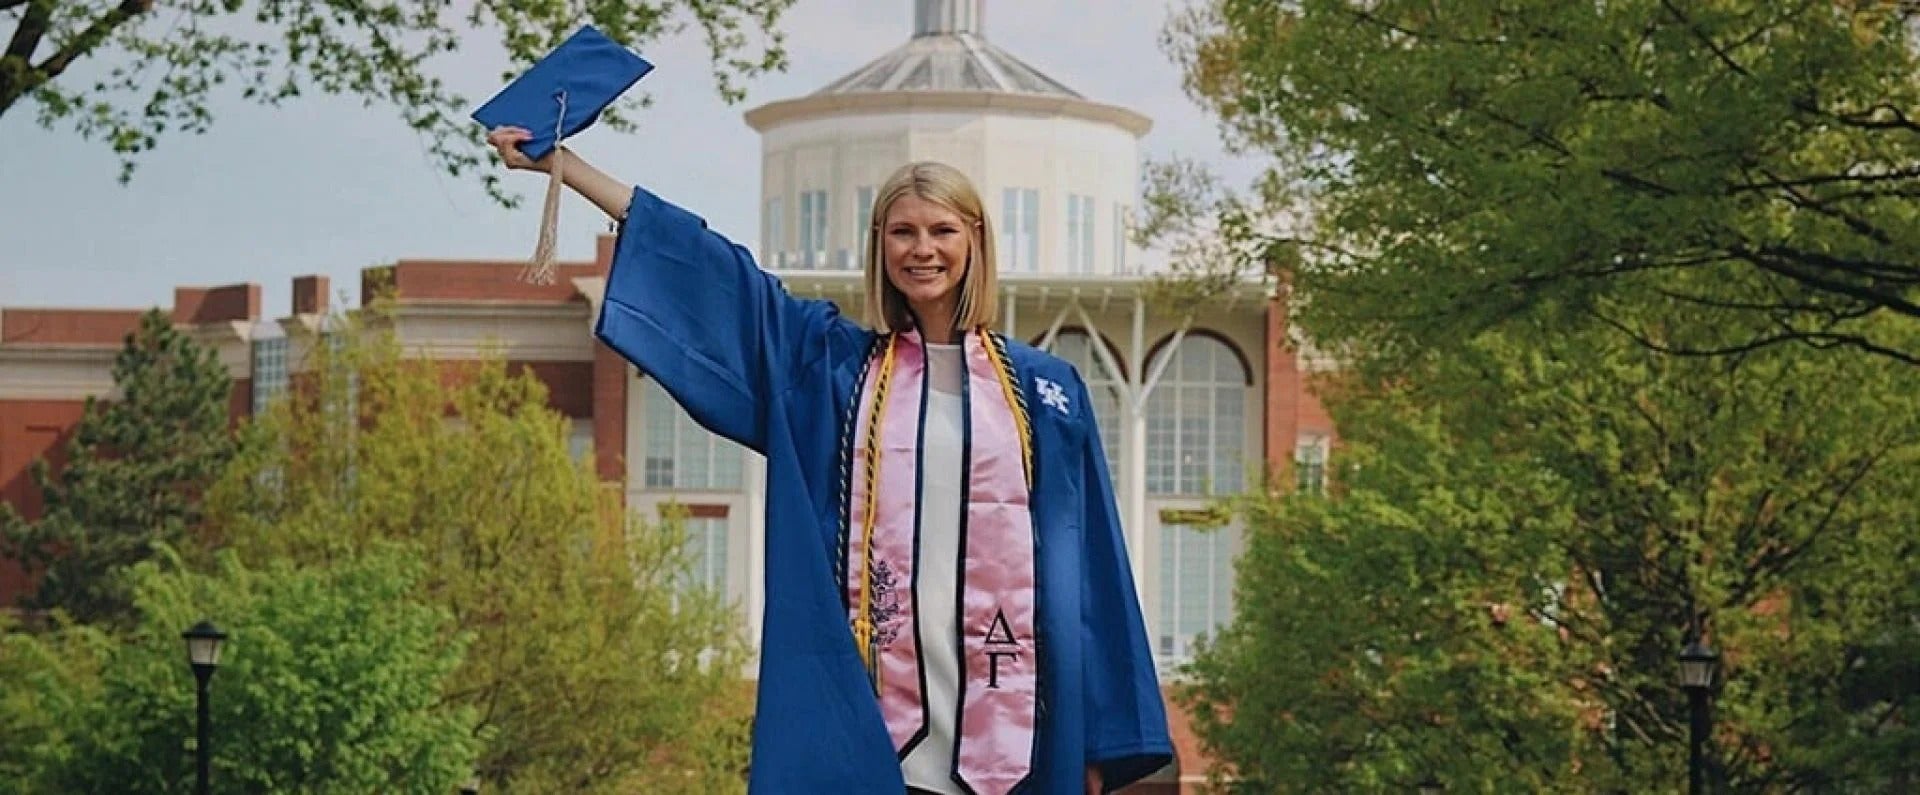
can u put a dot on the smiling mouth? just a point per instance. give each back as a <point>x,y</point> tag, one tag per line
<point>925,270</point>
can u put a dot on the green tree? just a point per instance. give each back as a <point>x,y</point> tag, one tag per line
<point>135,471</point>
<point>1523,533</point>
<point>158,67</point>
<point>1452,166</point>
<point>591,670</point>
<point>330,682</point>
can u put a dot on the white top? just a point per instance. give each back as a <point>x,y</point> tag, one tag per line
<point>937,569</point>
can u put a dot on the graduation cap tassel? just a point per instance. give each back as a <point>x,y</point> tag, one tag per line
<point>540,270</point>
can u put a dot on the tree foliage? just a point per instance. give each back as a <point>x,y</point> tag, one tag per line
<point>161,65</point>
<point>591,669</point>
<point>1470,162</point>
<point>331,682</point>
<point>1522,536</point>
<point>135,470</point>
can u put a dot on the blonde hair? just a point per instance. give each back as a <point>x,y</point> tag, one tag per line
<point>979,289</point>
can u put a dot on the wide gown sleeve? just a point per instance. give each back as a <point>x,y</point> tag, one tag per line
<point>691,309</point>
<point>1126,720</point>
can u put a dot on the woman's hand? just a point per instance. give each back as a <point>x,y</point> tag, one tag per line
<point>507,140</point>
<point>1095,784</point>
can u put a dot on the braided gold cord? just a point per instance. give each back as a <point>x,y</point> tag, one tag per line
<point>863,621</point>
<point>1004,370</point>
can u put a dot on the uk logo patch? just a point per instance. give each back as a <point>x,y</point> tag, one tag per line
<point>1052,394</point>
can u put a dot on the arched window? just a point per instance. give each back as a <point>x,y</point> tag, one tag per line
<point>1076,347</point>
<point>679,454</point>
<point>1197,420</point>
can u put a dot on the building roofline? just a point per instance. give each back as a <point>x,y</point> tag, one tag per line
<point>822,106</point>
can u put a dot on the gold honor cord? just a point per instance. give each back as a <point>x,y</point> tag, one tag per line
<point>863,623</point>
<point>1017,406</point>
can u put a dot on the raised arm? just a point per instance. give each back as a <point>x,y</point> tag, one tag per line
<point>690,308</point>
<point>607,193</point>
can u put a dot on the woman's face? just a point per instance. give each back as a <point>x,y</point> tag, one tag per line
<point>925,247</point>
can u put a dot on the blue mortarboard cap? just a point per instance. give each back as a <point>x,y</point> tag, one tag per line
<point>584,75</point>
<point>559,96</point>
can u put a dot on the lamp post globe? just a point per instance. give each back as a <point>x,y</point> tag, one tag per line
<point>203,654</point>
<point>1698,662</point>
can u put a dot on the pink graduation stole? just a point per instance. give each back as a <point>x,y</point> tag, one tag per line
<point>999,665</point>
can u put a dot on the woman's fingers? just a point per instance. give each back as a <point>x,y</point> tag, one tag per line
<point>506,141</point>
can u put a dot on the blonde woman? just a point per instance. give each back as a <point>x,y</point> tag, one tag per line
<point>949,605</point>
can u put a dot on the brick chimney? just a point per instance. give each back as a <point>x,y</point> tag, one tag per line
<point>310,295</point>
<point>199,305</point>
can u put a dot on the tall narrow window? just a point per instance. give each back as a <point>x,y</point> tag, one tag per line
<point>863,215</point>
<point>1079,233</point>
<point>679,454</point>
<point>269,372</point>
<point>1120,223</point>
<point>774,251</point>
<point>706,548</point>
<point>1310,464</point>
<point>813,228</point>
<point>1020,230</point>
<point>1196,587</point>
<point>580,440</point>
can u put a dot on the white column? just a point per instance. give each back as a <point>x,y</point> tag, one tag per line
<point>1133,439</point>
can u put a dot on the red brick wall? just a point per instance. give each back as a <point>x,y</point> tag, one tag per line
<point>29,429</point>
<point>609,414</point>
<point>438,280</point>
<point>1292,408</point>
<point>68,326</point>
<point>570,385</point>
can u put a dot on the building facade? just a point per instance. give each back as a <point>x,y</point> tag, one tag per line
<point>1191,406</point>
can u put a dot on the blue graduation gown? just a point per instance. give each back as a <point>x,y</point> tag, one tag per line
<point>778,375</point>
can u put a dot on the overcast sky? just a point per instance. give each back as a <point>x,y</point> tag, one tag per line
<point>324,186</point>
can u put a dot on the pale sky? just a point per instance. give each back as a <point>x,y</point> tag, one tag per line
<point>326,187</point>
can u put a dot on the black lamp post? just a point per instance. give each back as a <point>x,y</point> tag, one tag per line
<point>1697,662</point>
<point>1431,786</point>
<point>203,652</point>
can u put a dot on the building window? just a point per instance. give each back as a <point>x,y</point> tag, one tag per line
<point>813,229</point>
<point>863,226</point>
<point>775,249</point>
<point>1079,233</point>
<point>1310,464</point>
<point>679,454</point>
<point>1196,587</point>
<point>1020,230</point>
<point>706,548</point>
<point>269,372</point>
<point>1120,224</point>
<point>580,440</point>
<point>1196,421</point>
<point>1103,385</point>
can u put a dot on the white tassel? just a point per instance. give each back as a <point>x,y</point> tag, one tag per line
<point>540,270</point>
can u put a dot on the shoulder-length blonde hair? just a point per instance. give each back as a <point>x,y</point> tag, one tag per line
<point>946,186</point>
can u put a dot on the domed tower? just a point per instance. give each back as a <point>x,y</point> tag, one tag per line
<point>1058,173</point>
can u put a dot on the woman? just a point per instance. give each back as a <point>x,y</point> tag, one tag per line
<point>949,604</point>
